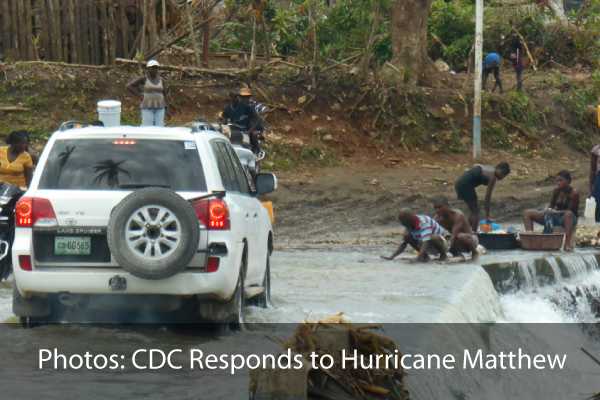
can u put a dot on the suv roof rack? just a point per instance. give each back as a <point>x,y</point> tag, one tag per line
<point>73,124</point>
<point>202,126</point>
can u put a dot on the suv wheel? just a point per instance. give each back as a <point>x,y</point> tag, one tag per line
<point>231,313</point>
<point>238,302</point>
<point>153,233</point>
<point>263,300</point>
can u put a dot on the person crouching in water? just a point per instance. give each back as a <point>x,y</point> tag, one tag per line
<point>562,212</point>
<point>462,239</point>
<point>153,89</point>
<point>424,235</point>
<point>479,175</point>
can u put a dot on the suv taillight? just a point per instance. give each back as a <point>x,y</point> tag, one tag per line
<point>32,210</point>
<point>213,213</point>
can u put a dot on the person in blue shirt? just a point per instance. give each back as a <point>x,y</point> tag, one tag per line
<point>491,64</point>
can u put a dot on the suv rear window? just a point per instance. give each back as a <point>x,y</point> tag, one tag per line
<point>123,164</point>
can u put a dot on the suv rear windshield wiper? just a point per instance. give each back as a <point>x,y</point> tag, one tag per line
<point>142,185</point>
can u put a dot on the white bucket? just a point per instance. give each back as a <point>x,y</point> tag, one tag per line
<point>590,210</point>
<point>109,112</point>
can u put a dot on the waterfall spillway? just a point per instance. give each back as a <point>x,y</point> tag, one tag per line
<point>550,289</point>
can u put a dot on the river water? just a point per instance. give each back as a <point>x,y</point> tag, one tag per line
<point>311,284</point>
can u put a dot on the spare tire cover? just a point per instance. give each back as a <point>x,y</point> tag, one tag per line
<point>153,233</point>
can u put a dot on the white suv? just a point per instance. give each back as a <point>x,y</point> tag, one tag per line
<point>137,218</point>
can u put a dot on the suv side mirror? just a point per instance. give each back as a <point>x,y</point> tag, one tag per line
<point>265,183</point>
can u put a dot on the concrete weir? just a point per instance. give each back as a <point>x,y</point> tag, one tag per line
<point>537,270</point>
<point>312,284</point>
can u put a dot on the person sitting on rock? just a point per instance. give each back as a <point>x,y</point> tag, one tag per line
<point>463,240</point>
<point>424,235</point>
<point>562,212</point>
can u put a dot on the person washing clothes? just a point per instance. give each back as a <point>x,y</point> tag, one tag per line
<point>151,87</point>
<point>424,234</point>
<point>479,175</point>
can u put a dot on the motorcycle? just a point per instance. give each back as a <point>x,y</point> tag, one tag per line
<point>9,195</point>
<point>240,139</point>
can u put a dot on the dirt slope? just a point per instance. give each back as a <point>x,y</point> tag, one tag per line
<point>348,155</point>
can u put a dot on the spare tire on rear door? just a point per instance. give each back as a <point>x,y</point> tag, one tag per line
<point>153,233</point>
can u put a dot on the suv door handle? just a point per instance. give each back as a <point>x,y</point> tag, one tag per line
<point>255,215</point>
<point>247,215</point>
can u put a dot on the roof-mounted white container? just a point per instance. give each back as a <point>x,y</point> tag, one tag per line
<point>109,112</point>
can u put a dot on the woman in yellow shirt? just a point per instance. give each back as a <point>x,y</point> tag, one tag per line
<point>16,165</point>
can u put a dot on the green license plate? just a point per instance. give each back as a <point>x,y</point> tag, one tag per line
<point>72,245</point>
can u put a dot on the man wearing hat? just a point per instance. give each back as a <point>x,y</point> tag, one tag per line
<point>242,113</point>
<point>153,92</point>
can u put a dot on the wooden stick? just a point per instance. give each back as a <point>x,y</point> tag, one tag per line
<point>231,73</point>
<point>392,66</point>
<point>164,16</point>
<point>437,39</point>
<point>587,353</point>
<point>57,64</point>
<point>533,62</point>
<point>518,127</point>
<point>13,108</point>
<point>192,32</point>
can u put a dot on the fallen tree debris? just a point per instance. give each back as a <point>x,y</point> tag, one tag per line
<point>587,236</point>
<point>332,336</point>
<point>13,108</point>
<point>231,73</point>
<point>59,64</point>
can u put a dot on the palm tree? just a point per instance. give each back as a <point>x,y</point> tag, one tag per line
<point>110,170</point>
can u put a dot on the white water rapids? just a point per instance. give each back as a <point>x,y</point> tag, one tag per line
<point>572,297</point>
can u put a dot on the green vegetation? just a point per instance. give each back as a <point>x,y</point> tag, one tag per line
<point>452,28</point>
<point>437,118</point>
<point>343,30</point>
<point>286,157</point>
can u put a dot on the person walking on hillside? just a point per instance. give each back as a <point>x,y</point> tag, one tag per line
<point>152,89</point>
<point>16,164</point>
<point>516,56</point>
<point>491,65</point>
<point>479,175</point>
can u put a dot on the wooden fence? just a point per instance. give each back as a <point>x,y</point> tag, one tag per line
<point>75,31</point>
